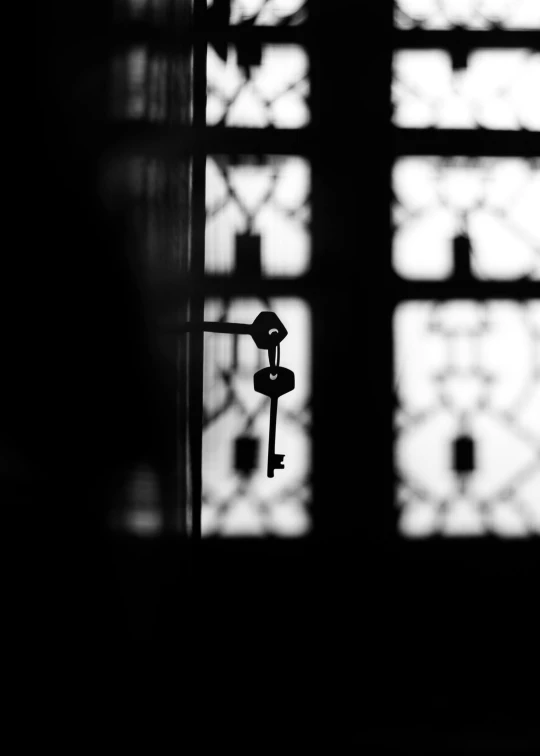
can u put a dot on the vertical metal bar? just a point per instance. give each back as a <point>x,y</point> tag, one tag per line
<point>196,338</point>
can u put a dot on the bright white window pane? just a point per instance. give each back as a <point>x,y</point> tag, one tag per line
<point>493,201</point>
<point>497,90</point>
<point>273,93</point>
<point>267,12</point>
<point>471,14</point>
<point>469,371</point>
<point>268,199</point>
<point>248,503</point>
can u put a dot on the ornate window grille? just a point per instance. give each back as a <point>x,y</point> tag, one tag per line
<point>221,103</point>
<point>465,248</point>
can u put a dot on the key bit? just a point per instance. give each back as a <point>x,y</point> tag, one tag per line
<point>277,463</point>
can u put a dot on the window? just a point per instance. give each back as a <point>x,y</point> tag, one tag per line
<point>465,251</point>
<point>233,192</point>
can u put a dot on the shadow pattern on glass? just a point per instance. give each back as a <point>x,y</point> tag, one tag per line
<point>258,86</point>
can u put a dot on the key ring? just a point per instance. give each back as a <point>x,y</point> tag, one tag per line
<point>274,354</point>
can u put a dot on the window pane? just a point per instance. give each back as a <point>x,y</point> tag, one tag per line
<point>238,497</point>
<point>257,216</point>
<point>471,14</point>
<point>265,12</point>
<point>494,89</point>
<point>466,217</point>
<point>258,86</point>
<point>467,426</point>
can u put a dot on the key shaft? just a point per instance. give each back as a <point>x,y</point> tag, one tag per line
<point>267,330</point>
<point>272,436</point>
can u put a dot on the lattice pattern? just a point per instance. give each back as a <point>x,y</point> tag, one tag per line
<point>248,89</point>
<point>470,14</point>
<point>462,216</point>
<point>238,498</point>
<point>264,12</point>
<point>468,424</point>
<point>267,200</point>
<point>493,90</point>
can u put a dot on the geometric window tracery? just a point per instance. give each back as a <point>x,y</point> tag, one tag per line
<point>467,424</point>
<point>478,217</point>
<point>257,216</point>
<point>470,14</point>
<point>495,89</point>
<point>267,12</point>
<point>238,497</point>
<point>258,88</point>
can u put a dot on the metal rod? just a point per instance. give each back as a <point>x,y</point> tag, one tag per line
<point>211,327</point>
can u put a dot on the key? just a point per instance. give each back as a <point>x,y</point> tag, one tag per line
<point>267,330</point>
<point>273,382</point>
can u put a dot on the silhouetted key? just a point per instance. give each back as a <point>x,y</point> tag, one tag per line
<point>273,382</point>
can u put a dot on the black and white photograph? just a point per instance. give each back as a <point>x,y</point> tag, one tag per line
<point>272,379</point>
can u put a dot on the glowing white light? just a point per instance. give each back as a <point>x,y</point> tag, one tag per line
<point>260,505</point>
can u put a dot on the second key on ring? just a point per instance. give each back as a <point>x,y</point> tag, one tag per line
<point>273,382</point>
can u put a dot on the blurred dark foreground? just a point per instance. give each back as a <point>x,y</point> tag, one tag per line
<point>87,399</point>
